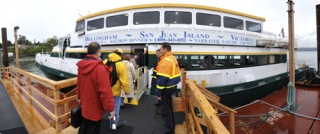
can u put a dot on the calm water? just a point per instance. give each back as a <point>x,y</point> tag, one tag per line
<point>307,57</point>
<point>29,65</point>
<point>303,57</point>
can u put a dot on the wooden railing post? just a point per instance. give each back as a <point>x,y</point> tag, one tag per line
<point>232,123</point>
<point>57,110</point>
<point>29,84</point>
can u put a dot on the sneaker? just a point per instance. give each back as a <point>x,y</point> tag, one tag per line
<point>122,106</point>
<point>119,125</point>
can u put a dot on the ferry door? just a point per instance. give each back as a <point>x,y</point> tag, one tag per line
<point>63,43</point>
<point>142,52</point>
<point>60,43</point>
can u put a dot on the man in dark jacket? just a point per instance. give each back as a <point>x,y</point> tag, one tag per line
<point>154,77</point>
<point>93,90</point>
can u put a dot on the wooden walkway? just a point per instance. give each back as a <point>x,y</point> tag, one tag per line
<point>139,119</point>
<point>45,110</point>
<point>10,121</point>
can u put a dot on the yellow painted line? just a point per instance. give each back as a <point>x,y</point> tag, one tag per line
<point>191,6</point>
<point>223,53</point>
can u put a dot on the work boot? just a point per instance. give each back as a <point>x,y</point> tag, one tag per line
<point>158,103</point>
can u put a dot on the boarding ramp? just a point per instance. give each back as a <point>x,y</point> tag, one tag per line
<point>201,109</point>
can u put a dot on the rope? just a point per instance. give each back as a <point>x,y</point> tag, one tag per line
<point>291,97</point>
<point>286,108</point>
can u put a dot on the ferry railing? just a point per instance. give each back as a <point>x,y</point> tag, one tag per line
<point>22,84</point>
<point>140,87</point>
<point>207,105</point>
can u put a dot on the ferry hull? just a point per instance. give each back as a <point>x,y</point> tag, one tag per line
<point>54,74</point>
<point>247,95</point>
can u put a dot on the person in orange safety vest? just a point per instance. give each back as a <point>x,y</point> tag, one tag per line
<point>168,76</point>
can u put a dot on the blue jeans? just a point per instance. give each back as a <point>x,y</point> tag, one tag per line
<point>117,102</point>
<point>121,101</point>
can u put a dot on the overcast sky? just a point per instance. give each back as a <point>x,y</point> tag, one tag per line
<point>42,19</point>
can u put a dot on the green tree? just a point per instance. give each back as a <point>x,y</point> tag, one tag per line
<point>23,40</point>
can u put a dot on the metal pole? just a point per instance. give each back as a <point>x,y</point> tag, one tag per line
<point>318,36</point>
<point>291,42</point>
<point>16,46</point>
<point>5,47</point>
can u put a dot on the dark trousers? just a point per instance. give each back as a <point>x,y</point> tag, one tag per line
<point>89,127</point>
<point>167,110</point>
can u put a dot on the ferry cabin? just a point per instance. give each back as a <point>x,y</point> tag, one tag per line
<point>225,50</point>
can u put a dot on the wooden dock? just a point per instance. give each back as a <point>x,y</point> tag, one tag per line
<point>44,109</point>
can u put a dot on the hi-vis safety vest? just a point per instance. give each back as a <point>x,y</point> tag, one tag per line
<point>168,72</point>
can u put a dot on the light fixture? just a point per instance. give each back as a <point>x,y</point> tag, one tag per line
<point>177,13</point>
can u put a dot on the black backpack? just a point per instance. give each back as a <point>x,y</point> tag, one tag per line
<point>113,74</point>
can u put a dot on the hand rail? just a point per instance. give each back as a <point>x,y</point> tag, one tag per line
<point>195,96</point>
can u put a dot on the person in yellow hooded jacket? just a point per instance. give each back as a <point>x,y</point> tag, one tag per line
<point>168,76</point>
<point>122,83</point>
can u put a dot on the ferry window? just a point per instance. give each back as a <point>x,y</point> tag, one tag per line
<point>283,58</point>
<point>261,59</point>
<point>271,59</point>
<point>233,23</point>
<point>95,24</point>
<point>82,55</point>
<point>235,60</point>
<point>197,61</point>
<point>54,54</point>
<point>104,56</point>
<point>209,61</point>
<point>146,18</point>
<point>221,61</point>
<point>208,19</point>
<point>182,60</point>
<point>71,55</point>
<point>248,59</point>
<point>80,25</point>
<point>177,17</point>
<point>253,27</point>
<point>117,20</point>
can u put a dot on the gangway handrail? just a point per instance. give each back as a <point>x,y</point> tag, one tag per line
<point>25,86</point>
<point>195,96</point>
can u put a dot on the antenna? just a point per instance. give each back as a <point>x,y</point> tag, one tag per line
<point>80,15</point>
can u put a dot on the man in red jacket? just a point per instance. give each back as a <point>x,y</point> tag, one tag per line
<point>93,90</point>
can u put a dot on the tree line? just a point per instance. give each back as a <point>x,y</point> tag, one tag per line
<point>29,49</point>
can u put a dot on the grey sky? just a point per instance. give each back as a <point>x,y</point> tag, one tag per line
<point>42,19</point>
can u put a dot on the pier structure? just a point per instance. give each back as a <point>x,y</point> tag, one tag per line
<point>44,105</point>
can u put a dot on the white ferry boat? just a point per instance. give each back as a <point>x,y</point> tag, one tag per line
<point>226,51</point>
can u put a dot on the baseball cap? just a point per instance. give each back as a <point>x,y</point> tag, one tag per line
<point>119,50</point>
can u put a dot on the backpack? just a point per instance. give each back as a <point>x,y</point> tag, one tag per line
<point>113,77</point>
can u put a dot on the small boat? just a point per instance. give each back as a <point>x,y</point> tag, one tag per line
<point>223,50</point>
